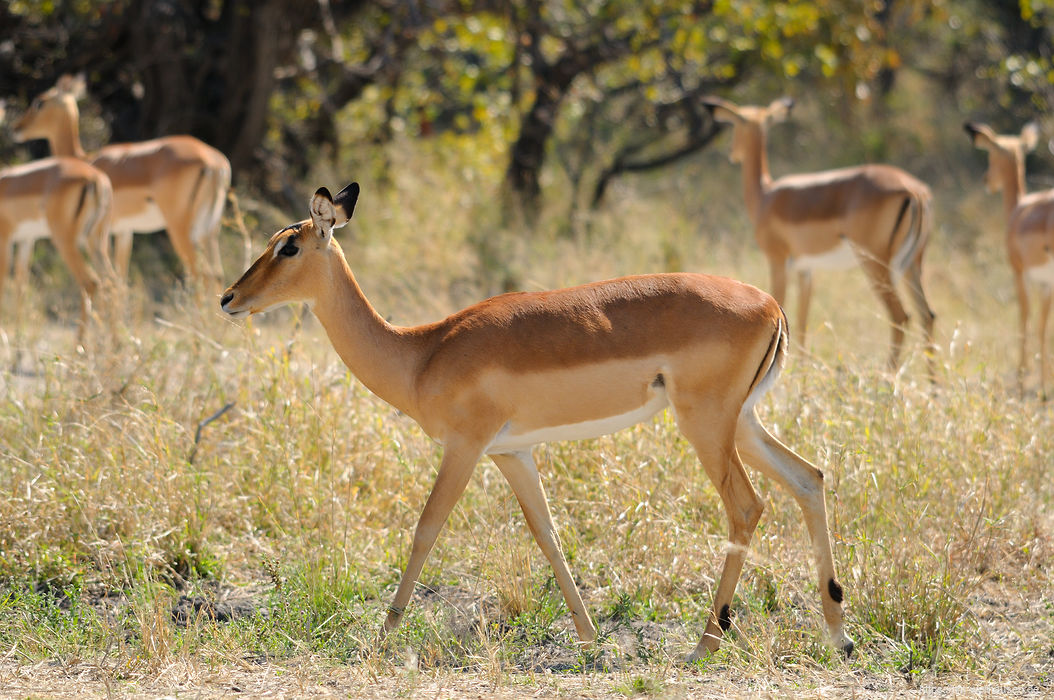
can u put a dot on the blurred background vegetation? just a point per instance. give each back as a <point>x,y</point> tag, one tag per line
<point>550,108</point>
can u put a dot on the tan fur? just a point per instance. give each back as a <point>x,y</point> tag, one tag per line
<point>185,179</point>
<point>587,358</point>
<point>68,201</point>
<point>880,212</point>
<point>1029,229</point>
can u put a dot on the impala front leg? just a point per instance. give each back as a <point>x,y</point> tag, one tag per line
<point>882,283</point>
<point>522,474</point>
<point>459,459</point>
<point>778,279</point>
<point>804,296</point>
<point>1022,307</point>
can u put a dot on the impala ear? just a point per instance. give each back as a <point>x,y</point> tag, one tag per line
<point>328,212</point>
<point>981,135</point>
<point>1030,136</point>
<point>323,212</point>
<point>74,85</point>
<point>345,203</point>
<point>722,111</point>
<point>779,110</point>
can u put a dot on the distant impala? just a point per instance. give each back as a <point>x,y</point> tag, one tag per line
<point>64,199</point>
<point>876,216</point>
<point>176,183</point>
<point>1029,228</point>
<point>521,369</point>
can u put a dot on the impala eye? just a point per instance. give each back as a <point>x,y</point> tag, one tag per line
<point>289,250</point>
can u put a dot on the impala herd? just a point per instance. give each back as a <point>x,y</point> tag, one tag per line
<point>521,369</point>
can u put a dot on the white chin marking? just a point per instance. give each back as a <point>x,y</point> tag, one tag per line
<point>240,313</point>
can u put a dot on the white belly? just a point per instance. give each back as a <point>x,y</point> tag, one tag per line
<point>145,220</point>
<point>509,441</point>
<point>29,230</point>
<point>839,258</point>
<point>1042,274</point>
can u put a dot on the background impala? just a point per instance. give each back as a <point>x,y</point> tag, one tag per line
<point>176,183</point>
<point>1029,231</point>
<point>874,216</point>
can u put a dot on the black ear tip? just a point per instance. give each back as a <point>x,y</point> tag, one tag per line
<point>350,192</point>
<point>324,192</point>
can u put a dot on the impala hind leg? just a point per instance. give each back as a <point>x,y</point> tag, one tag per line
<point>522,474</point>
<point>707,427</point>
<point>23,255</point>
<point>216,264</point>
<point>122,254</point>
<point>805,482</point>
<point>882,283</point>
<point>1044,313</point>
<point>454,473</point>
<point>922,308</point>
<point>85,276</point>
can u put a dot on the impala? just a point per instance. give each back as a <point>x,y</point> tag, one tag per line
<point>876,216</point>
<point>176,183</point>
<point>65,199</point>
<point>1029,229</point>
<point>520,369</point>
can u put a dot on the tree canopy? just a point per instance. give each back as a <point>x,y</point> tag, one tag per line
<point>595,89</point>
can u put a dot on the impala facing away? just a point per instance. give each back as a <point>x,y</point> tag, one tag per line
<point>521,369</point>
<point>876,216</point>
<point>1029,228</point>
<point>176,183</point>
<point>65,199</point>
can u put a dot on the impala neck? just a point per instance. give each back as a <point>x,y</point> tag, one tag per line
<point>756,177</point>
<point>1013,186</point>
<point>383,357</point>
<point>65,138</point>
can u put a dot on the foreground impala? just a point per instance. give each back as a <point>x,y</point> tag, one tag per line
<point>876,216</point>
<point>1029,228</point>
<point>176,183</point>
<point>64,199</point>
<point>517,370</point>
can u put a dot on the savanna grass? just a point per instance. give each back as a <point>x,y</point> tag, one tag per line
<point>118,497</point>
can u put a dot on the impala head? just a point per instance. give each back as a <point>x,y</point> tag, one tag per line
<point>749,123</point>
<point>50,110</point>
<point>297,261</point>
<point>1006,152</point>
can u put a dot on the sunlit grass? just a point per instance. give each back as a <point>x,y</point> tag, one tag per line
<point>304,495</point>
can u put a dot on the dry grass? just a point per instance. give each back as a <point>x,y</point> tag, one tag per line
<point>299,502</point>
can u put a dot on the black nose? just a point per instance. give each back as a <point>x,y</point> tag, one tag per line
<point>226,299</point>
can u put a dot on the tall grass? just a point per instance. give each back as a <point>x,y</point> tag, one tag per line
<point>118,495</point>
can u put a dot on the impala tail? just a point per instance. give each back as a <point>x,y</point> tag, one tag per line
<point>97,206</point>
<point>770,367</point>
<point>918,206</point>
